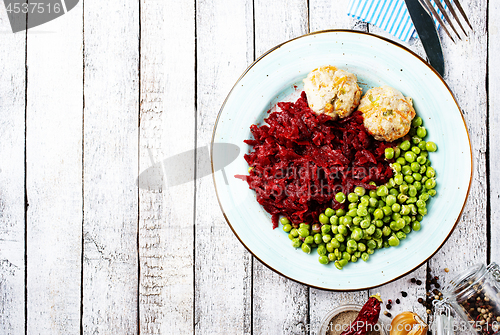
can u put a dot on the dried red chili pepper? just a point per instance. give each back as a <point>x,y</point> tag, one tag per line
<point>367,317</point>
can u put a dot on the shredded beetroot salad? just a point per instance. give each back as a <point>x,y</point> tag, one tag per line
<point>301,160</point>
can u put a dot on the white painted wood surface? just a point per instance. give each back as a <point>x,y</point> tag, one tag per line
<point>12,223</point>
<point>166,214</point>
<point>110,201</point>
<point>113,88</point>
<point>54,175</point>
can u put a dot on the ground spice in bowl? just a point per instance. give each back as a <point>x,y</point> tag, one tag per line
<point>340,318</point>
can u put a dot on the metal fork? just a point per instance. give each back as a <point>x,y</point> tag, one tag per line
<point>432,12</point>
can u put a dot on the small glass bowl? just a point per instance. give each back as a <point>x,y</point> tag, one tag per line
<point>323,328</point>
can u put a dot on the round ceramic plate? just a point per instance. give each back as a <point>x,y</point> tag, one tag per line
<point>376,61</point>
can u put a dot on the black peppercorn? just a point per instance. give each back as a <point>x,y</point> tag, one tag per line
<point>413,280</point>
<point>420,300</point>
<point>404,294</point>
<point>437,286</point>
<point>388,306</point>
<point>419,282</point>
<point>397,301</point>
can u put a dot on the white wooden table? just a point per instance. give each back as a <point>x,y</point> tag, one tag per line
<point>87,99</point>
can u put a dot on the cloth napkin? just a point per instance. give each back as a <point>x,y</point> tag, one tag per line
<point>389,15</point>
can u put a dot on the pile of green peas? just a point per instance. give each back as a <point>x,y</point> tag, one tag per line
<point>379,218</point>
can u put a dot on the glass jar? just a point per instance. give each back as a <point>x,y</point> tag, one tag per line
<point>474,296</point>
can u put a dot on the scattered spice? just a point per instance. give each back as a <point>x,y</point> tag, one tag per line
<point>340,321</point>
<point>398,301</point>
<point>446,270</point>
<point>389,315</point>
<point>388,306</point>
<point>419,282</point>
<point>404,294</point>
<point>413,280</point>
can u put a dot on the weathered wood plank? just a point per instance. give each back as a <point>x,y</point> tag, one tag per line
<point>12,224</point>
<point>110,265</point>
<point>466,75</point>
<point>54,174</point>
<point>167,129</point>
<point>494,126</point>
<point>222,266</point>
<point>280,306</point>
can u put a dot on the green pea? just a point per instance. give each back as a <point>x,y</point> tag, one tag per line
<point>415,167</point>
<point>329,212</point>
<point>401,161</point>
<point>431,146</point>
<point>296,243</point>
<point>379,223</point>
<point>306,248</point>
<point>372,202</point>
<point>402,198</point>
<point>421,132</point>
<point>347,220</point>
<point>421,145</point>
<point>421,160</point>
<point>406,170</point>
<point>371,244</point>
<point>395,216</point>
<point>340,212</point>
<point>404,188</point>
<point>365,256</point>
<point>417,122</point>
<point>371,229</point>
<point>351,206</point>
<point>394,226</point>
<point>386,231</point>
<point>387,210</point>
<point>409,179</point>
<point>324,219</point>
<point>360,191</point>
<point>287,228</point>
<point>397,152</point>
<point>309,239</point>
<point>413,210</point>
<point>416,150</point>
<point>396,167</point>
<point>400,223</point>
<point>343,262</point>
<point>421,203</point>
<point>400,235</point>
<point>303,232</point>
<point>407,219</point>
<point>417,176</point>
<point>304,225</point>
<point>424,197</point>
<point>352,213</point>
<point>423,168</point>
<point>337,265</point>
<point>410,156</point>
<point>316,228</point>
<point>334,220</point>
<point>284,221</point>
<point>342,230</point>
<point>365,224</point>
<point>290,236</point>
<point>386,219</point>
<point>371,210</point>
<point>393,241</point>
<point>325,229</point>
<point>365,201</point>
<point>422,211</point>
<point>390,200</point>
<point>406,229</point>
<point>424,154</point>
<point>327,238</point>
<point>354,259</point>
<point>430,173</point>
<point>294,232</point>
<point>352,197</point>
<point>398,179</point>
<point>323,259</point>
<point>332,257</point>
<point>321,250</point>
<point>412,191</point>
<point>382,191</point>
<point>393,192</point>
<point>340,197</point>
<point>373,194</point>
<point>339,237</point>
<point>405,210</point>
<point>377,233</point>
<point>430,183</point>
<point>370,251</point>
<point>405,145</point>
<point>362,211</point>
<point>346,256</point>
<point>335,244</point>
<point>335,230</point>
<point>352,244</point>
<point>389,153</point>
<point>357,234</point>
<point>416,140</point>
<point>417,185</point>
<point>318,238</point>
<point>357,220</point>
<point>415,225</point>
<point>378,213</point>
<point>432,192</point>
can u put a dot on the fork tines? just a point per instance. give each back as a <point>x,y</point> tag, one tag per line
<point>448,3</point>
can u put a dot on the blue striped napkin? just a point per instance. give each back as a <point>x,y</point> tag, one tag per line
<point>389,15</point>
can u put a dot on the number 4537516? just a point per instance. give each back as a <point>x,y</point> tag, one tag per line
<point>34,7</point>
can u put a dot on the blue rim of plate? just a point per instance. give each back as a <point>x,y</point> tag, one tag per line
<point>396,45</point>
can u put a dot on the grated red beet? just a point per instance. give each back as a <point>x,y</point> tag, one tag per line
<point>301,160</point>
